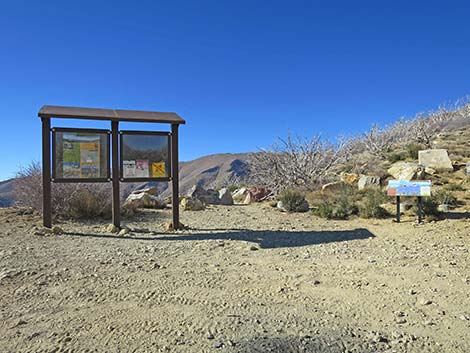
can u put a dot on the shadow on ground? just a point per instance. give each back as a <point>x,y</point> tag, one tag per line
<point>296,345</point>
<point>266,239</point>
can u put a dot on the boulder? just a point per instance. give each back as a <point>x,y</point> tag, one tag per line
<point>143,200</point>
<point>209,197</point>
<point>437,159</point>
<point>225,197</point>
<point>259,194</point>
<point>349,178</point>
<point>368,181</point>
<point>334,187</point>
<point>192,204</point>
<point>406,170</point>
<point>239,195</point>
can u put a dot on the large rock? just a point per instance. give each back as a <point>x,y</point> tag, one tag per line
<point>209,197</point>
<point>239,195</point>
<point>406,170</point>
<point>257,194</point>
<point>349,178</point>
<point>437,159</point>
<point>151,190</point>
<point>368,181</point>
<point>143,200</point>
<point>192,204</point>
<point>225,197</point>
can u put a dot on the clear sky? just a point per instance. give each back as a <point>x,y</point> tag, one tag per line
<point>240,72</point>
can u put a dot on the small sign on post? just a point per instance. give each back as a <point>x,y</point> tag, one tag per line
<point>419,189</point>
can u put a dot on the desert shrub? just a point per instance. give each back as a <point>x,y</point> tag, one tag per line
<point>412,150</point>
<point>370,207</point>
<point>396,157</point>
<point>446,197</point>
<point>69,200</point>
<point>340,205</point>
<point>293,200</point>
<point>453,187</point>
<point>429,207</point>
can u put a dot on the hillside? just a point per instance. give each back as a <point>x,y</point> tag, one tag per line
<point>6,193</point>
<point>209,172</point>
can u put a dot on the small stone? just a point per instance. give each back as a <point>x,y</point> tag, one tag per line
<point>425,302</point>
<point>316,282</point>
<point>412,292</point>
<point>464,317</point>
<point>218,344</point>
<point>400,320</point>
<point>57,230</point>
<point>123,231</point>
<point>254,248</point>
<point>111,228</point>
<point>210,336</point>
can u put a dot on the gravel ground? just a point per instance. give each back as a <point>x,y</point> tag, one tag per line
<point>241,279</point>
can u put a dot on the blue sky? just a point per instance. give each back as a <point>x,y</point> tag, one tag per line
<point>240,72</point>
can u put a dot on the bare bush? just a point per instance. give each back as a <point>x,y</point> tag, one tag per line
<point>82,200</point>
<point>295,162</point>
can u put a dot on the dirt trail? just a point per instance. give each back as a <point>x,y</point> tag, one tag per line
<point>243,279</point>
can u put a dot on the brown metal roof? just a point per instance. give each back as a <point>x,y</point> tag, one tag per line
<point>52,111</point>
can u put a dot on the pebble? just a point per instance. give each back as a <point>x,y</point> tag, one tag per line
<point>254,248</point>
<point>218,344</point>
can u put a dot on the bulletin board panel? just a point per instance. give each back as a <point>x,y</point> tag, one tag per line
<point>145,156</point>
<point>80,155</point>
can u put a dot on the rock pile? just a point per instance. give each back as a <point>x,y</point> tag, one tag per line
<point>144,198</point>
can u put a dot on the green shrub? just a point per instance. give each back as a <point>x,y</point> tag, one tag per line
<point>371,207</point>
<point>292,200</point>
<point>396,157</point>
<point>337,205</point>
<point>412,150</point>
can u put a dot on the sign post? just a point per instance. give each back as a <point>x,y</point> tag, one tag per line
<point>400,188</point>
<point>84,155</point>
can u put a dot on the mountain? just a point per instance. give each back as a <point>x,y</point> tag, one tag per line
<point>6,193</point>
<point>212,171</point>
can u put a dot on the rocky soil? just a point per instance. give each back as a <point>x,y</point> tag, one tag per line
<point>241,279</point>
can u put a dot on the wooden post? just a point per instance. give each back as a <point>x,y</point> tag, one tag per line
<point>46,173</point>
<point>175,176</point>
<point>398,209</point>
<point>115,173</point>
<point>420,209</point>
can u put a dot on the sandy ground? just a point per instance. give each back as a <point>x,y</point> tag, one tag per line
<point>243,279</point>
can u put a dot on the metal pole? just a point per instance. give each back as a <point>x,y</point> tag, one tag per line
<point>398,209</point>
<point>46,173</point>
<point>420,209</point>
<point>175,176</point>
<point>115,173</point>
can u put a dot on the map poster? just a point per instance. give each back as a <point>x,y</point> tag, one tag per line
<point>71,157</point>
<point>158,170</point>
<point>90,159</point>
<point>142,168</point>
<point>129,170</point>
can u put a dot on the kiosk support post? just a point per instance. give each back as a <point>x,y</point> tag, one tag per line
<point>175,176</point>
<point>46,173</point>
<point>398,209</point>
<point>420,209</point>
<point>115,173</point>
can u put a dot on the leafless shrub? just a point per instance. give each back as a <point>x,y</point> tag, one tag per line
<point>81,200</point>
<point>295,162</point>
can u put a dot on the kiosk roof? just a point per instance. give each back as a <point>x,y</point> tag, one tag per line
<point>51,111</point>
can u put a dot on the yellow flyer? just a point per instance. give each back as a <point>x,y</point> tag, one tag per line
<point>158,169</point>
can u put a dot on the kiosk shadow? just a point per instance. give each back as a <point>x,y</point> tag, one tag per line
<point>266,239</point>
